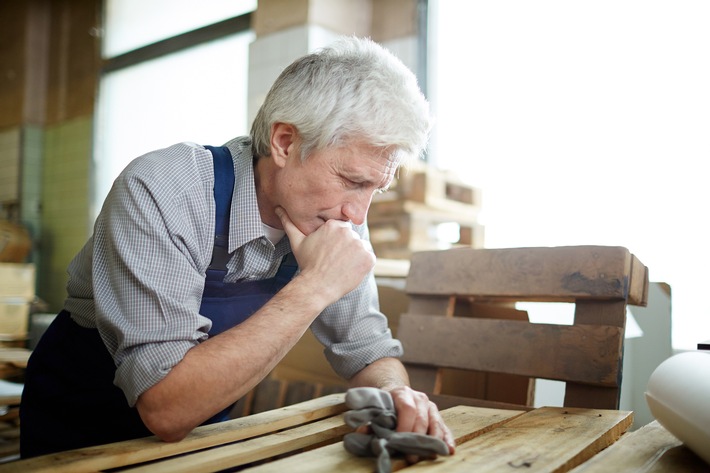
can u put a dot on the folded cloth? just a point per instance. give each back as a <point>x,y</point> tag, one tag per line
<point>375,408</point>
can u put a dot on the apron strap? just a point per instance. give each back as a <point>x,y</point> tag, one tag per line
<point>223,189</point>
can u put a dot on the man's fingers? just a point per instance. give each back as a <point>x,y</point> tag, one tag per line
<point>438,428</point>
<point>416,413</point>
<point>295,236</point>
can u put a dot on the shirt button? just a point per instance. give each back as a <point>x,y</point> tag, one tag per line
<point>263,241</point>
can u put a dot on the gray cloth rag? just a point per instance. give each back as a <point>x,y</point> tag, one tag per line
<point>374,407</point>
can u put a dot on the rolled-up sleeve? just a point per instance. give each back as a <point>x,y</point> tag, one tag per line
<point>353,330</point>
<point>148,275</point>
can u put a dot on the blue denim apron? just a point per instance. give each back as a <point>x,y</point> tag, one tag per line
<point>69,399</point>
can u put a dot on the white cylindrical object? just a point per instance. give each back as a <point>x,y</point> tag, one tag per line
<point>678,395</point>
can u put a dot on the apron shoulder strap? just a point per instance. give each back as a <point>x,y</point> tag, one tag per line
<point>223,189</point>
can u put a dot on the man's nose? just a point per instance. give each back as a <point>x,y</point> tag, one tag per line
<point>355,210</point>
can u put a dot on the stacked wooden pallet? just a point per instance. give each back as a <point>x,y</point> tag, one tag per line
<point>425,209</point>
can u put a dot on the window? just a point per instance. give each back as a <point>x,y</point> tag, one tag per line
<point>181,92</point>
<point>132,24</point>
<point>584,123</point>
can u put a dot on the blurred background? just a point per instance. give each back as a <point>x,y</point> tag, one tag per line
<point>558,122</point>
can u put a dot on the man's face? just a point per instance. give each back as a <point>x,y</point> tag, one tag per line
<point>335,183</point>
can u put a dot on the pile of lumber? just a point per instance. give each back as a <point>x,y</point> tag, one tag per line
<point>425,209</point>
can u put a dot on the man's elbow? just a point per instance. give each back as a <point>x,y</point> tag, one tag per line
<point>160,422</point>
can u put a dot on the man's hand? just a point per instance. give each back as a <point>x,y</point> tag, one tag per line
<point>416,413</point>
<point>334,255</point>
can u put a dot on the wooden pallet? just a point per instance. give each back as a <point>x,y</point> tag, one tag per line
<point>442,330</point>
<point>399,228</point>
<point>433,187</point>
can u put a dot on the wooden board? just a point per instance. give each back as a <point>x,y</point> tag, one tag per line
<point>485,345</point>
<point>650,449</point>
<point>15,356</point>
<point>528,443</point>
<point>252,450</point>
<point>554,274</point>
<point>434,187</point>
<point>132,452</point>
<point>465,423</point>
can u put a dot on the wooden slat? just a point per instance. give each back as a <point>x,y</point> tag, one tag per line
<point>638,283</point>
<point>443,305</point>
<point>425,378</point>
<point>530,443</point>
<point>593,397</point>
<point>600,313</point>
<point>497,387</point>
<point>446,401</point>
<point>268,394</point>
<point>465,423</point>
<point>11,400</point>
<point>132,452</point>
<point>511,346</point>
<point>15,356</point>
<point>249,451</point>
<point>650,449</point>
<point>562,274</point>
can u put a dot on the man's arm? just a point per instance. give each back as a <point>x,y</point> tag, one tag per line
<point>415,412</point>
<point>216,373</point>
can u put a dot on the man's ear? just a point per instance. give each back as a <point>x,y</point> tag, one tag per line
<point>284,141</point>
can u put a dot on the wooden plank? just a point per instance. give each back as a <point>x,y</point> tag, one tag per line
<point>545,440</point>
<point>426,379</point>
<point>496,387</point>
<point>423,378</point>
<point>299,391</point>
<point>650,449</point>
<point>132,452</point>
<point>249,451</point>
<point>562,274</point>
<point>600,313</point>
<point>437,210</point>
<point>443,305</point>
<point>242,407</point>
<point>446,401</point>
<point>540,350</point>
<point>465,423</point>
<point>15,356</point>
<point>638,283</point>
<point>10,400</point>
<point>594,397</point>
<point>268,394</point>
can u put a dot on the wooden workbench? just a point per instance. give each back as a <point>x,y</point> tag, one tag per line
<point>307,438</point>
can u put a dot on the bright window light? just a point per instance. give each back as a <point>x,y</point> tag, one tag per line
<point>584,123</point>
<point>131,24</point>
<point>196,95</point>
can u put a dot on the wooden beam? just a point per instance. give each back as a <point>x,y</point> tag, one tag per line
<point>560,352</point>
<point>556,274</point>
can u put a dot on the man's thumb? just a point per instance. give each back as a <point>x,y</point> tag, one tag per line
<point>295,235</point>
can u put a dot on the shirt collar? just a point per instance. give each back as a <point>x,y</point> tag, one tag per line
<point>245,220</point>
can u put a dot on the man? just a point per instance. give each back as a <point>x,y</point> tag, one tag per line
<point>187,294</point>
